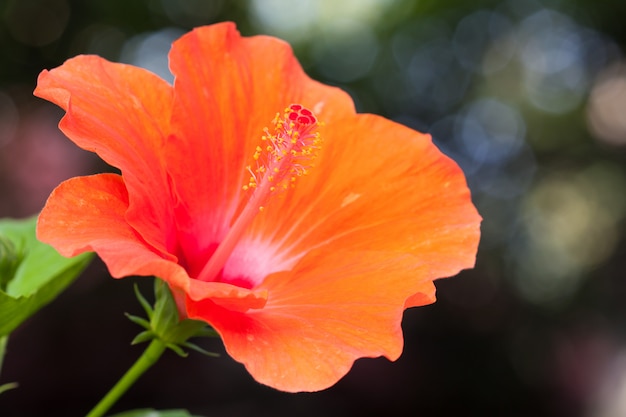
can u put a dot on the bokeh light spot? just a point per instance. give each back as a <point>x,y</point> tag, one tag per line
<point>298,21</point>
<point>553,54</point>
<point>606,109</point>
<point>491,132</point>
<point>150,51</point>
<point>346,51</point>
<point>570,221</point>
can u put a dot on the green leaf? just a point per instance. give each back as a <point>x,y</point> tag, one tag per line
<point>10,258</point>
<point>147,412</point>
<point>41,274</point>
<point>7,387</point>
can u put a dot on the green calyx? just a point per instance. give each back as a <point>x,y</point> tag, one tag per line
<point>164,323</point>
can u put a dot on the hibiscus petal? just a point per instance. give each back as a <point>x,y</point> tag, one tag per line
<point>377,186</point>
<point>122,113</point>
<point>86,214</point>
<point>320,318</point>
<point>229,88</point>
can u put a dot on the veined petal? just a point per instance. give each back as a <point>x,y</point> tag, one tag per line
<point>121,113</point>
<point>320,317</point>
<point>377,186</point>
<point>228,89</point>
<point>86,214</point>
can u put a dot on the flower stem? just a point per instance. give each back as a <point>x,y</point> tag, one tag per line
<point>149,357</point>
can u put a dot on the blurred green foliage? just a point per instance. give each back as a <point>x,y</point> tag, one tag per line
<point>36,273</point>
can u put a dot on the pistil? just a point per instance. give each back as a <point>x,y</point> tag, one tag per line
<point>285,153</point>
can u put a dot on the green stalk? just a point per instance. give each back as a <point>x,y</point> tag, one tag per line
<point>149,357</point>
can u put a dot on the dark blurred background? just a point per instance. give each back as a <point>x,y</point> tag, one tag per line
<point>528,96</point>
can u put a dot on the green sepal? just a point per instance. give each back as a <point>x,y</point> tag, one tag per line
<point>143,337</point>
<point>165,319</point>
<point>177,349</point>
<point>32,273</point>
<point>207,332</point>
<point>140,321</point>
<point>198,349</point>
<point>165,324</point>
<point>144,303</point>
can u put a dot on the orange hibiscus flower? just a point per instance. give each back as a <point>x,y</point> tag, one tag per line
<point>297,228</point>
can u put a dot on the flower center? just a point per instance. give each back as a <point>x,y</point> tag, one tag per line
<point>286,152</point>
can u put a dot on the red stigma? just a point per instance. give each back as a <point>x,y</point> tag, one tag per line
<point>301,114</point>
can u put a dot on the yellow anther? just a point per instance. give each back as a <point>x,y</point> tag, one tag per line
<point>289,150</point>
